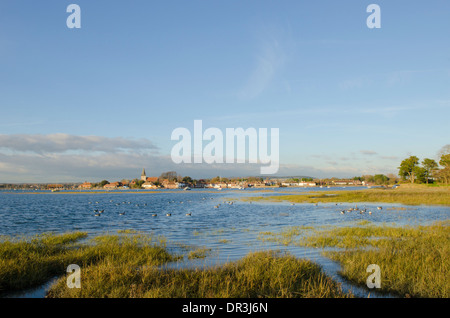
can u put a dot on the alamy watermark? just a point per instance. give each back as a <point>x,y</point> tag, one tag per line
<point>374,279</point>
<point>228,147</point>
<point>74,279</point>
<point>373,21</point>
<point>73,21</point>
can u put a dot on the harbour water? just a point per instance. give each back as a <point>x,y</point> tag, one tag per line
<point>218,220</point>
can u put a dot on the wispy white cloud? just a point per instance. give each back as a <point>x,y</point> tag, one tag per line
<point>270,59</point>
<point>60,143</point>
<point>368,152</point>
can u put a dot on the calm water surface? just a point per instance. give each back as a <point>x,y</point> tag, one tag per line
<point>230,230</point>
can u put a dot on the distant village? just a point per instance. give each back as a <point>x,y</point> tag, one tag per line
<point>171,180</point>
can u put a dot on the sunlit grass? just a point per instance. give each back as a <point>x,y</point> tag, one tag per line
<point>260,274</point>
<point>27,262</point>
<point>200,252</point>
<point>31,261</point>
<point>286,236</point>
<point>404,195</point>
<point>414,262</point>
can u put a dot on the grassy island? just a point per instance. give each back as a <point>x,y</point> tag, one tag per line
<point>405,194</point>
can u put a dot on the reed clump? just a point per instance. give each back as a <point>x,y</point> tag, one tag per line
<point>286,236</point>
<point>200,252</point>
<point>414,261</point>
<point>409,195</point>
<point>27,262</point>
<point>260,274</point>
<point>30,261</point>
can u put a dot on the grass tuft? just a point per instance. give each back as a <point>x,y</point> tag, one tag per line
<point>260,274</point>
<point>404,195</point>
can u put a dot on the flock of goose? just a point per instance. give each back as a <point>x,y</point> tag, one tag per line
<point>349,210</point>
<point>98,212</point>
<point>361,211</point>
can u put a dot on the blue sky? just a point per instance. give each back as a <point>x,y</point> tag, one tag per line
<point>348,100</point>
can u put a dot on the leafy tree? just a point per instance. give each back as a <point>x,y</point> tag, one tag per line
<point>187,180</point>
<point>139,183</point>
<point>429,165</point>
<point>368,178</point>
<point>393,179</point>
<point>103,183</point>
<point>215,180</point>
<point>408,169</point>
<point>445,161</point>
<point>170,175</point>
<point>444,174</point>
<point>419,174</point>
<point>380,179</point>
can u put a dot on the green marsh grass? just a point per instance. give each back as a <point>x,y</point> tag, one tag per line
<point>29,262</point>
<point>200,252</point>
<point>286,236</point>
<point>414,261</point>
<point>259,274</point>
<point>405,194</point>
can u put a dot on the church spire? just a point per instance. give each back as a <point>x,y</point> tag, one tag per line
<point>143,175</point>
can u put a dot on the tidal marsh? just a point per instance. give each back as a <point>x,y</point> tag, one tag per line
<point>414,261</point>
<point>129,264</point>
<point>28,262</point>
<point>260,274</point>
<point>405,194</point>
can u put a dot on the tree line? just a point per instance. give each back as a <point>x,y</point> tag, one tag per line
<point>428,170</point>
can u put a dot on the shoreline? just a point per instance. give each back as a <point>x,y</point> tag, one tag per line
<point>407,196</point>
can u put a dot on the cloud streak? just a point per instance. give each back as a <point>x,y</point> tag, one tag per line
<point>368,152</point>
<point>60,143</point>
<point>268,62</point>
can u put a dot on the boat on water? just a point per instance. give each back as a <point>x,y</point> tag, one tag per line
<point>187,188</point>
